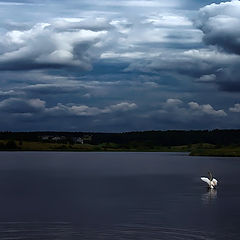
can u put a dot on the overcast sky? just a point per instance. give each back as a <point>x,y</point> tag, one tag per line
<point>123,65</point>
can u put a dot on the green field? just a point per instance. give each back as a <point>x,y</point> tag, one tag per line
<point>224,151</point>
<point>201,149</point>
<point>48,146</point>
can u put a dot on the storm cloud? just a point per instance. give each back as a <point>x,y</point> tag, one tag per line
<point>66,43</point>
<point>220,25</point>
<point>119,65</point>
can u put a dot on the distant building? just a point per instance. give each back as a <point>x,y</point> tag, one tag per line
<point>53,138</point>
<point>87,138</point>
<point>78,140</point>
<point>58,138</point>
<point>45,138</point>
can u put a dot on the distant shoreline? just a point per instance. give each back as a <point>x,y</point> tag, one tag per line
<point>221,143</point>
<point>193,155</point>
<point>193,150</point>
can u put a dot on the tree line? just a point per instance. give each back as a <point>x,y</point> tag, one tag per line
<point>147,138</point>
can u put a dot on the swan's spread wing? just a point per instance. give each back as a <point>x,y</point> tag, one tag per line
<point>214,182</point>
<point>206,180</point>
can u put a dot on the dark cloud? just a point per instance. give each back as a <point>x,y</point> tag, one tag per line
<point>43,46</point>
<point>235,108</point>
<point>19,105</point>
<point>229,78</point>
<point>194,63</point>
<point>51,89</point>
<point>16,105</point>
<point>72,24</point>
<point>215,63</point>
<point>83,110</point>
<point>220,25</point>
<point>100,66</point>
<point>127,114</point>
<point>7,93</point>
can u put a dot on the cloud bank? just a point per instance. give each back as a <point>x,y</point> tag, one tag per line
<point>60,44</point>
<point>119,65</point>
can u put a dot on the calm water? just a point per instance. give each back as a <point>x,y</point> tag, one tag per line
<point>58,196</point>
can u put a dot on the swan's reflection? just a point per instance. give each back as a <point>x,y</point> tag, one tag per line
<point>209,196</point>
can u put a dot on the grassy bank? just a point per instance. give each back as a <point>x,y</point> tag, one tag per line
<point>6,145</point>
<point>202,149</point>
<point>224,151</point>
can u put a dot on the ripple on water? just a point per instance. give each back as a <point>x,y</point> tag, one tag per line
<point>67,231</point>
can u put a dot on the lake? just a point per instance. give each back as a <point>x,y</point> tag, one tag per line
<point>64,196</point>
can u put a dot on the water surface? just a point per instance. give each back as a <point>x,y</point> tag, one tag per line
<point>51,195</point>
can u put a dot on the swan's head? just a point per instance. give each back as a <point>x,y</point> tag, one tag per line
<point>214,182</point>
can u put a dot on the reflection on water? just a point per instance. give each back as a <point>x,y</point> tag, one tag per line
<point>209,196</point>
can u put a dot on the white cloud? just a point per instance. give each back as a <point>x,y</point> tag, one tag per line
<point>173,101</point>
<point>39,107</point>
<point>236,108</point>
<point>17,105</point>
<point>169,20</point>
<point>18,4</point>
<point>197,63</point>
<point>192,108</point>
<point>211,56</point>
<point>149,33</point>
<point>44,46</point>
<point>77,41</point>
<point>128,55</point>
<point>220,25</point>
<point>7,93</point>
<point>207,78</point>
<point>183,115</point>
<point>123,106</point>
<point>206,109</point>
<point>83,110</point>
<point>139,3</point>
<point>94,24</point>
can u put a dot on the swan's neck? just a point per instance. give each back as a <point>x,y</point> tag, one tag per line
<point>210,176</point>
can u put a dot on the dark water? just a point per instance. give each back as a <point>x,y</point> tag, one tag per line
<point>117,196</point>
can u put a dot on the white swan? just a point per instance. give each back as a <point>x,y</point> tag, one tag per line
<point>212,182</point>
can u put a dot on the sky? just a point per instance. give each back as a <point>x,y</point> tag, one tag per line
<point>115,66</point>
